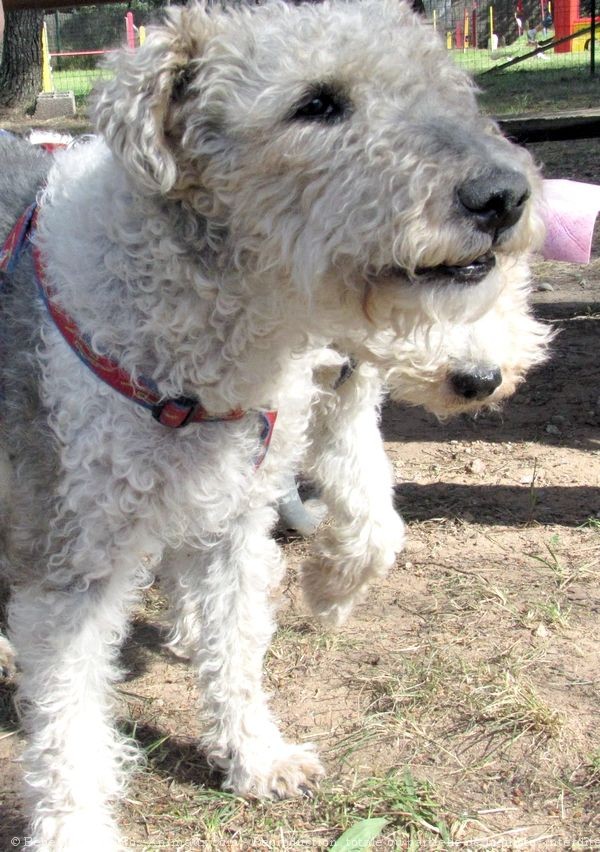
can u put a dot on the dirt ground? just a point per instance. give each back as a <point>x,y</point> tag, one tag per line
<point>462,701</point>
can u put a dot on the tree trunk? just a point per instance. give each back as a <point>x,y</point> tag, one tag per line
<point>21,68</point>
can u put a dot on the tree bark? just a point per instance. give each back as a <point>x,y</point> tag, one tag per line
<point>21,68</point>
<point>10,5</point>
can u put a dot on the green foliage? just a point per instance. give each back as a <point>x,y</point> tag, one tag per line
<point>360,836</point>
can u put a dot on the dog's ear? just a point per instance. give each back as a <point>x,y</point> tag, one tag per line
<point>132,110</point>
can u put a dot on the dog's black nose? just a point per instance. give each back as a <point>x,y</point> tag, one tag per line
<point>478,384</point>
<point>494,201</point>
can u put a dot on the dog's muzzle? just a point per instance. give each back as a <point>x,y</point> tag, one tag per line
<point>476,385</point>
<point>494,201</point>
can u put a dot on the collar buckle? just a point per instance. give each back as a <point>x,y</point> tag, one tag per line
<point>176,413</point>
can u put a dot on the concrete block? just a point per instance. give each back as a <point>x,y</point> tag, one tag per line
<point>54,105</point>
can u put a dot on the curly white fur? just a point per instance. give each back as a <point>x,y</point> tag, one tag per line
<point>418,369</point>
<point>217,242</point>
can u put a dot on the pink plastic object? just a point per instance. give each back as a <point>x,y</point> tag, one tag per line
<point>569,210</point>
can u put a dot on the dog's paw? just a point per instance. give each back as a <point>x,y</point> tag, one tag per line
<point>295,770</point>
<point>329,590</point>
<point>345,561</point>
<point>8,666</point>
<point>301,518</point>
<point>395,533</point>
<point>334,613</point>
<point>73,832</point>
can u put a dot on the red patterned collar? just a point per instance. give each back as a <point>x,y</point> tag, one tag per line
<point>174,413</point>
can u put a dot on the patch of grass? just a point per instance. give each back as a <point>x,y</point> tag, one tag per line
<point>538,90</point>
<point>594,764</point>
<point>564,573</point>
<point>360,836</point>
<point>300,643</point>
<point>408,805</point>
<point>220,810</point>
<point>395,692</point>
<point>511,705</point>
<point>478,61</point>
<point>215,820</point>
<point>80,82</point>
<point>582,786</point>
<point>453,702</point>
<point>591,524</point>
<point>414,815</point>
<point>553,562</point>
<point>393,698</point>
<point>551,613</point>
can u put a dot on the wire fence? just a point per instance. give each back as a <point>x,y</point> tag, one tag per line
<point>78,40</point>
<point>543,40</point>
<point>525,35</point>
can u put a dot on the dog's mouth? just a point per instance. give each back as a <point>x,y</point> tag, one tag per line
<point>468,273</point>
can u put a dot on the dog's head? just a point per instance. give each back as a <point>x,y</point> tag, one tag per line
<point>339,147</point>
<point>464,367</point>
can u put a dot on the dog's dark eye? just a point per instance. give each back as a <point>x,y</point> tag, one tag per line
<point>321,104</point>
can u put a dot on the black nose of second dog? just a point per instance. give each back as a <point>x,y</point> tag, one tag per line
<point>476,385</point>
<point>494,201</point>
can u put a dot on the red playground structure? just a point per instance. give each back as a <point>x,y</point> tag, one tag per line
<point>567,20</point>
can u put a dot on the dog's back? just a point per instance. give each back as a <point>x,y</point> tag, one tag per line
<point>23,171</point>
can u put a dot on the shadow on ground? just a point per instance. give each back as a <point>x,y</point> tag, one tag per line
<point>174,757</point>
<point>498,505</point>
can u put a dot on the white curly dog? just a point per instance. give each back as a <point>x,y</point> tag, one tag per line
<point>275,188</point>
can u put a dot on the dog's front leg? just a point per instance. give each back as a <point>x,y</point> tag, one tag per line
<point>349,464</point>
<point>225,622</point>
<point>67,636</point>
